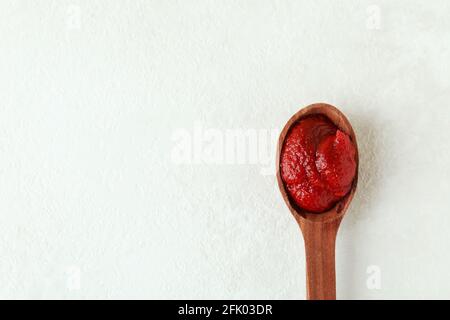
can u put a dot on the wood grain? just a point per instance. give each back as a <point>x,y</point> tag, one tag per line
<point>319,229</point>
<point>320,241</point>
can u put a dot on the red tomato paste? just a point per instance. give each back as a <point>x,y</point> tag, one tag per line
<point>317,163</point>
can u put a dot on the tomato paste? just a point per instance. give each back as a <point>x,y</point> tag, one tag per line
<point>317,163</point>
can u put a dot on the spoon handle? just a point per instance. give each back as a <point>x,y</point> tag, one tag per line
<point>320,239</point>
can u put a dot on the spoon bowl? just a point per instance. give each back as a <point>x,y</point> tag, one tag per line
<point>319,229</point>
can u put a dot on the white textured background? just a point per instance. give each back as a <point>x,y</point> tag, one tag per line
<point>92,204</point>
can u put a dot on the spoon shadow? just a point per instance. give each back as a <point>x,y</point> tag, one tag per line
<point>368,180</point>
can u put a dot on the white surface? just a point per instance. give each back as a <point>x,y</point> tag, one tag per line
<point>92,204</point>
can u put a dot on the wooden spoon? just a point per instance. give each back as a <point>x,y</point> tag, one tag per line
<point>319,229</point>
